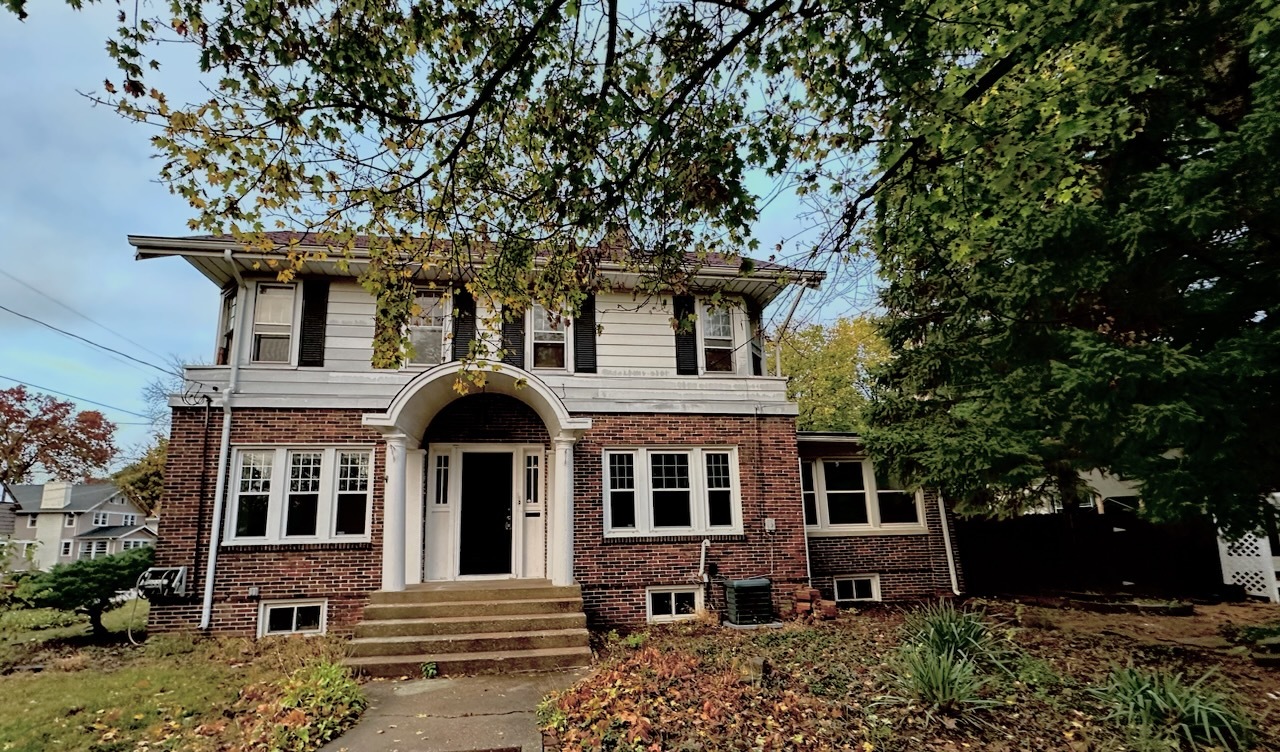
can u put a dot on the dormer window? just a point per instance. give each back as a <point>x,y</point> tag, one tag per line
<point>273,324</point>
<point>548,334</point>
<point>427,328</point>
<point>717,340</point>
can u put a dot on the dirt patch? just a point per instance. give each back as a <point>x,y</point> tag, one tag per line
<point>1203,628</point>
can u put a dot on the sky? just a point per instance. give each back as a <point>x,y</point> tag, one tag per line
<point>76,179</point>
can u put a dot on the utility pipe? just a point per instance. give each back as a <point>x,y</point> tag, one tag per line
<point>224,446</point>
<point>702,561</point>
<point>946,542</point>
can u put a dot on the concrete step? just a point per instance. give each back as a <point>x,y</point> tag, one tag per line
<point>470,624</point>
<point>472,663</point>
<point>490,642</point>
<point>526,590</point>
<point>476,609</point>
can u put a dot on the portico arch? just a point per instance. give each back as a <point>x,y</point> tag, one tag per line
<point>411,411</point>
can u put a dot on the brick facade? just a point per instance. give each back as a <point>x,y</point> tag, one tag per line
<point>613,573</point>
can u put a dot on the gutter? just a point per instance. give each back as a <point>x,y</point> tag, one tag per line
<point>224,448</point>
<point>946,542</point>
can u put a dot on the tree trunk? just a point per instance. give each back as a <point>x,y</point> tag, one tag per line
<point>95,622</point>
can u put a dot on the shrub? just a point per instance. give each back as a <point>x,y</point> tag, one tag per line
<point>86,587</point>
<point>320,701</point>
<point>944,682</point>
<point>945,630</point>
<point>1159,705</point>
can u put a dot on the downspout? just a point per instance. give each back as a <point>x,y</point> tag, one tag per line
<point>946,542</point>
<point>224,446</point>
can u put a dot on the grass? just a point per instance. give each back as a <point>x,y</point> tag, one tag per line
<point>1158,705</point>
<point>174,692</point>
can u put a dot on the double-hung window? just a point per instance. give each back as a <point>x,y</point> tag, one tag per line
<point>227,328</point>
<point>273,324</point>
<point>92,549</point>
<point>547,335</point>
<point>101,519</point>
<point>65,549</point>
<point>427,327</point>
<point>301,495</point>
<point>671,491</point>
<point>31,520</point>
<point>68,520</point>
<point>717,340</point>
<point>129,519</point>
<point>844,495</point>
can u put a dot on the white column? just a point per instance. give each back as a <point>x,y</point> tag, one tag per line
<point>560,547</point>
<point>393,514</point>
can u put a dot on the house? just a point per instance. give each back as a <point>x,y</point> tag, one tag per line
<point>58,523</point>
<point>611,470</point>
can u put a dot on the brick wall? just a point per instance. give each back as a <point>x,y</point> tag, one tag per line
<point>344,573</point>
<point>615,572</point>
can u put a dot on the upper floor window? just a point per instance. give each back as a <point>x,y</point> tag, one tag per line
<point>129,519</point>
<point>301,495</point>
<point>427,329</point>
<point>549,344</point>
<point>100,519</point>
<point>31,521</point>
<point>717,339</point>
<point>849,495</point>
<point>227,327</point>
<point>68,520</point>
<point>671,491</point>
<point>273,324</point>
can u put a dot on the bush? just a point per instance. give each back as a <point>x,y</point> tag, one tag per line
<point>86,587</point>
<point>944,682</point>
<point>943,629</point>
<point>1159,705</point>
<point>321,700</point>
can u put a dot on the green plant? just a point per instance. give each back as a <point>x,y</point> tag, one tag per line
<point>1158,705</point>
<point>635,640</point>
<point>946,630</point>
<point>430,670</point>
<point>86,587</point>
<point>321,701</point>
<point>549,714</point>
<point>944,682</point>
<point>34,619</point>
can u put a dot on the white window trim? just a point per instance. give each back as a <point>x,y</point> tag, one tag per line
<point>66,549</point>
<point>277,496</point>
<point>129,519</point>
<point>665,618</point>
<point>824,528</point>
<point>91,547</point>
<point>68,520</point>
<point>227,323</point>
<point>446,329</point>
<point>740,326</point>
<point>528,343</point>
<point>700,524</point>
<point>267,605</point>
<point>295,326</point>
<point>33,520</point>
<point>106,519</point>
<point>132,543</point>
<point>875,587</point>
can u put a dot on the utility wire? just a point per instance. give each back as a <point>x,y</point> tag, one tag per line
<point>91,320</point>
<point>90,342</point>
<point>74,397</point>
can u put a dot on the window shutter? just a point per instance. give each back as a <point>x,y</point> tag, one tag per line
<point>315,314</point>
<point>584,337</point>
<point>686,341</point>
<point>755,318</point>
<point>513,340</point>
<point>464,323</point>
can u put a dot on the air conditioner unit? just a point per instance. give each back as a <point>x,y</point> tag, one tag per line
<point>749,601</point>
<point>163,582</point>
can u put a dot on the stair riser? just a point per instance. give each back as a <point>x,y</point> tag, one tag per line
<point>450,666</point>
<point>425,629</point>
<point>384,612</point>
<point>470,645</point>
<point>381,597</point>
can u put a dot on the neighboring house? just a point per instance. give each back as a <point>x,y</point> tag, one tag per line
<point>634,466</point>
<point>58,523</point>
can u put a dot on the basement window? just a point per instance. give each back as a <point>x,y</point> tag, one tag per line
<point>857,588</point>
<point>675,603</point>
<point>292,617</point>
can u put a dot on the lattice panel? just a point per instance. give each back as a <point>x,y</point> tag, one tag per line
<point>1247,562</point>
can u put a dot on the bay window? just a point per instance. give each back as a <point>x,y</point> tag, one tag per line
<point>842,495</point>
<point>301,495</point>
<point>671,491</point>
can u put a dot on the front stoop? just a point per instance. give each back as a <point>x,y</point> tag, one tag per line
<point>472,628</point>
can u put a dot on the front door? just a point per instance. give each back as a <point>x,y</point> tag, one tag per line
<point>484,539</point>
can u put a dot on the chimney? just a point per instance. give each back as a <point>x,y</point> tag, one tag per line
<point>56,495</point>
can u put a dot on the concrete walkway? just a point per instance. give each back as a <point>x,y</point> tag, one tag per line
<point>464,714</point>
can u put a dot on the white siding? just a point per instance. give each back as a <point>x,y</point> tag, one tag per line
<point>636,338</point>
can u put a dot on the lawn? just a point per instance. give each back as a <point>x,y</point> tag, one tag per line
<point>1035,683</point>
<point>170,693</point>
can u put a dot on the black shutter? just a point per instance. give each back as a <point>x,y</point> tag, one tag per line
<point>686,338</point>
<point>513,340</point>
<point>756,332</point>
<point>464,323</point>
<point>315,314</point>
<point>584,337</point>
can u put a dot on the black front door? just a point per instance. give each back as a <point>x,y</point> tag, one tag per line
<point>484,544</point>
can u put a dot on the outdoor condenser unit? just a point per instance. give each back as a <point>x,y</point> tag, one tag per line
<point>749,601</point>
<point>163,582</point>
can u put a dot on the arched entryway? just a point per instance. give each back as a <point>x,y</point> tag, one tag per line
<point>458,467</point>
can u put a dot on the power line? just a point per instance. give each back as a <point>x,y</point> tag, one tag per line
<point>74,397</point>
<point>90,342</point>
<point>91,320</point>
